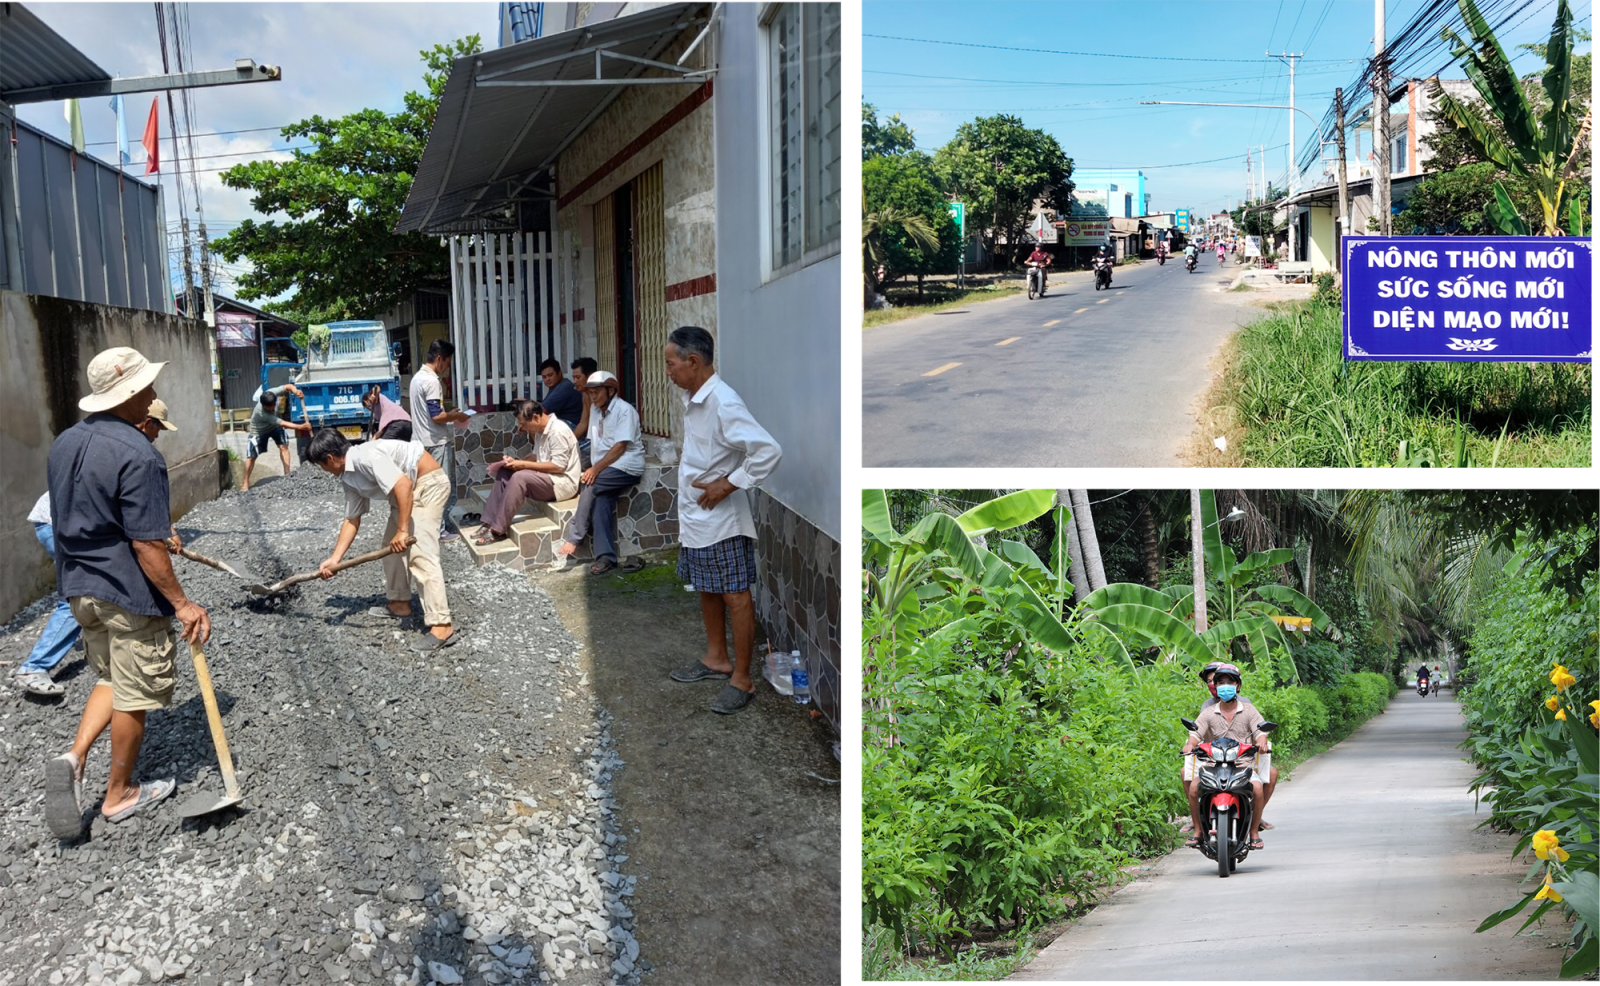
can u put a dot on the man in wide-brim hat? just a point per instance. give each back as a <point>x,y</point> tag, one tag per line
<point>112,515</point>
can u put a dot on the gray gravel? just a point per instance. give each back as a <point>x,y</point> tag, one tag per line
<point>410,819</point>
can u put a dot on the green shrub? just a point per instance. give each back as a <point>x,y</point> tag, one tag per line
<point>1299,712</point>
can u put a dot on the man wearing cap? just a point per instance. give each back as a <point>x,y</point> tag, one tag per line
<point>725,452</point>
<point>61,630</point>
<point>266,427</point>
<point>112,517</point>
<point>618,456</point>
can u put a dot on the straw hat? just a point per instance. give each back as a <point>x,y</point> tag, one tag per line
<point>115,376</point>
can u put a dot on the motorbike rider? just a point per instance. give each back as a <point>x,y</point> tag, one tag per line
<point>1107,257</point>
<point>1422,675</point>
<point>1269,783</point>
<point>1040,258</point>
<point>1236,720</point>
<point>1161,247</point>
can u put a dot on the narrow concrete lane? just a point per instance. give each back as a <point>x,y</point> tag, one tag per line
<point>1077,378</point>
<point>1375,871</point>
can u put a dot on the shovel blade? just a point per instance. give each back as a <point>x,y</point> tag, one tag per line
<point>206,803</point>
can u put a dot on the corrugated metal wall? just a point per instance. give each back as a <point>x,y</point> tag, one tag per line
<point>88,232</point>
<point>605,284</point>
<point>650,251</point>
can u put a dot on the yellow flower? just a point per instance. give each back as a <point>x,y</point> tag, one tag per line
<point>1547,891</point>
<point>1594,717</point>
<point>1562,715</point>
<point>1551,703</point>
<point>1561,679</point>
<point>1546,843</point>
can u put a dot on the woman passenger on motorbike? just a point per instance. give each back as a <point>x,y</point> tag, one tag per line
<point>1238,721</point>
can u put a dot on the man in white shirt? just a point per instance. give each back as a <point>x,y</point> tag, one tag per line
<point>617,451</point>
<point>430,422</point>
<point>414,483</point>
<point>724,453</point>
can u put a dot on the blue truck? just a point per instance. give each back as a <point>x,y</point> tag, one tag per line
<point>341,362</point>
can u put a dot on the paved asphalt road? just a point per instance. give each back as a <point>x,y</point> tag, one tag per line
<point>1076,378</point>
<point>1374,871</point>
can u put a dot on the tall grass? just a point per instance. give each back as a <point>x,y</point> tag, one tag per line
<point>1290,399</point>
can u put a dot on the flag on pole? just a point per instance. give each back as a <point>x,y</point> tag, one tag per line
<point>122,131</point>
<point>152,142</point>
<point>75,123</point>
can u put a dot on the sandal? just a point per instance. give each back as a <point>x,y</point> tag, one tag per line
<point>602,566</point>
<point>1193,842</point>
<point>1267,826</point>
<point>489,538</point>
<point>150,792</point>
<point>732,699</point>
<point>698,672</point>
<point>1256,843</point>
<point>63,796</point>
<point>39,683</point>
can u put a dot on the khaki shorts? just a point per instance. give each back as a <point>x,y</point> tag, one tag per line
<point>132,654</point>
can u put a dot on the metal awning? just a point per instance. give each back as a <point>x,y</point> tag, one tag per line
<point>33,55</point>
<point>506,115</point>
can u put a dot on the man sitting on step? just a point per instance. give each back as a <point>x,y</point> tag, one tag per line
<point>550,475</point>
<point>616,448</point>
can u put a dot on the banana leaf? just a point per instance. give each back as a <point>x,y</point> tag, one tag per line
<point>1486,64</point>
<point>1019,554</point>
<point>1219,558</point>
<point>1059,555</point>
<point>1248,627</point>
<point>940,532</point>
<point>1557,121</point>
<point>1128,592</point>
<point>1157,625</point>
<point>875,515</point>
<point>1505,214</point>
<point>1575,218</point>
<point>1006,512</point>
<point>1258,560</point>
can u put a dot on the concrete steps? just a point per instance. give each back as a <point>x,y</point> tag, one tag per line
<point>534,536</point>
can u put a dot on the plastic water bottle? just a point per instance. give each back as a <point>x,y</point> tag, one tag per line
<point>799,680</point>
<point>778,672</point>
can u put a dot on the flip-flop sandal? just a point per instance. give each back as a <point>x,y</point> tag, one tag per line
<point>698,672</point>
<point>487,539</point>
<point>1267,826</point>
<point>150,792</point>
<point>40,683</point>
<point>429,643</point>
<point>1257,844</point>
<point>1193,842</point>
<point>471,518</point>
<point>631,564</point>
<point>601,567</point>
<point>63,797</point>
<point>386,612</point>
<point>731,700</point>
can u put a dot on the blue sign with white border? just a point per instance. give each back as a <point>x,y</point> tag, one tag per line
<point>1468,298</point>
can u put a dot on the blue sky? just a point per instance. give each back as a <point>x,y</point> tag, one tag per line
<point>1091,104</point>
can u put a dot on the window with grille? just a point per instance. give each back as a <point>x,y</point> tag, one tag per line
<point>804,111</point>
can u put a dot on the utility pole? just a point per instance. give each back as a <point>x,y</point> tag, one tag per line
<point>1294,170</point>
<point>1344,201</point>
<point>1380,123</point>
<point>1249,178</point>
<point>1197,539</point>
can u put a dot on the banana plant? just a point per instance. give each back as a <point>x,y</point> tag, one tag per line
<point>1235,608</point>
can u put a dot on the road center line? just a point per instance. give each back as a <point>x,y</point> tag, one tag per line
<point>947,366</point>
<point>1080,311</point>
<point>1102,301</point>
<point>1053,321</point>
<point>1007,342</point>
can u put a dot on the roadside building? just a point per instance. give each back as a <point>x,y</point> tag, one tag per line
<point>1316,208</point>
<point>246,338</point>
<point>1120,191</point>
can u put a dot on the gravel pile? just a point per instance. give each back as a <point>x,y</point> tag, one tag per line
<point>408,818</point>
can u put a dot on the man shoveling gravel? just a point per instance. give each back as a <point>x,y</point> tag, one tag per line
<point>417,491</point>
<point>110,505</point>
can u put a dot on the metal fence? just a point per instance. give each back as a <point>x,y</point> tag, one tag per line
<point>509,311</point>
<point>86,230</point>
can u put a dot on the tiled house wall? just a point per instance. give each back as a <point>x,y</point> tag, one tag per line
<point>797,598</point>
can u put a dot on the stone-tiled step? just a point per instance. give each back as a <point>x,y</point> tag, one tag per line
<point>499,553</point>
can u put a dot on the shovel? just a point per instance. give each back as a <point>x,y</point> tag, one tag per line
<point>277,587</point>
<point>202,559</point>
<point>204,803</point>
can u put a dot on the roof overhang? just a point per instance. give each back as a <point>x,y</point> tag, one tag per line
<point>507,115</point>
<point>33,55</point>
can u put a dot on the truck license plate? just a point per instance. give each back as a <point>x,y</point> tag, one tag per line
<point>350,431</point>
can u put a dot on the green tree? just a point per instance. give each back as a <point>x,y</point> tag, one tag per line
<point>1455,203</point>
<point>888,138</point>
<point>336,254</point>
<point>1000,168</point>
<point>1542,147</point>
<point>906,183</point>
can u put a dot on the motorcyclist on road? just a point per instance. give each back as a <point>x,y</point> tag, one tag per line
<point>1040,258</point>
<point>1161,247</point>
<point>1235,720</point>
<point>1422,674</point>
<point>1221,252</point>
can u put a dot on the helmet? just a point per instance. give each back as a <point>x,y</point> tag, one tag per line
<point>1214,665</point>
<point>1229,669</point>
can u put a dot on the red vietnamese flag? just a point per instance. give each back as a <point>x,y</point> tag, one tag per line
<point>152,142</point>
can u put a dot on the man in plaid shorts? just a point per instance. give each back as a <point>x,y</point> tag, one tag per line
<point>724,453</point>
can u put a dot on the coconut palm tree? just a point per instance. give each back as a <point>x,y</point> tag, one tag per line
<point>1543,148</point>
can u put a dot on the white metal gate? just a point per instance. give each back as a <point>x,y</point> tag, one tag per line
<point>510,309</point>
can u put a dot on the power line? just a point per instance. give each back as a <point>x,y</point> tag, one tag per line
<point>1079,54</point>
<point>207,133</point>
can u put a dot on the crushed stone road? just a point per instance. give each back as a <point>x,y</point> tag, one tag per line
<point>410,818</point>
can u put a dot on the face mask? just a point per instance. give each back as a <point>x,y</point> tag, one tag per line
<point>1227,692</point>
<point>1211,687</point>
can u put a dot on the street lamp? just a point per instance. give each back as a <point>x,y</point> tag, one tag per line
<point>1234,514</point>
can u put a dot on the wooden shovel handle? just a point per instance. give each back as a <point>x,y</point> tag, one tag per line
<point>341,566</point>
<point>202,559</point>
<point>202,674</point>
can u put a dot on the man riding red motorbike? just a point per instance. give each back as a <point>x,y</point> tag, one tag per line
<point>1233,720</point>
